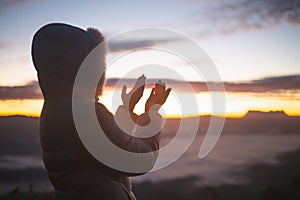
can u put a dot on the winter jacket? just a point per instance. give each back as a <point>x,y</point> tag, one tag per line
<point>73,171</point>
<point>57,52</point>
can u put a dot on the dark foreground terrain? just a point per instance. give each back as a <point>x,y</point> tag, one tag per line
<point>23,177</point>
<point>266,182</point>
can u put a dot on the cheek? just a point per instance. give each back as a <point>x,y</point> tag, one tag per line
<point>101,85</point>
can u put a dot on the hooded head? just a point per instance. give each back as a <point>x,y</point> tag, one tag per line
<point>57,53</point>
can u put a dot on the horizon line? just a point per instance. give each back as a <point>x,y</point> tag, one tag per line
<point>228,116</point>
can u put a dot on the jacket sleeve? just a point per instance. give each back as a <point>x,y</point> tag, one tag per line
<point>121,133</point>
<point>125,120</point>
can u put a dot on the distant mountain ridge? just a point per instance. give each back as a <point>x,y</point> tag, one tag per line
<point>259,114</point>
<point>22,132</point>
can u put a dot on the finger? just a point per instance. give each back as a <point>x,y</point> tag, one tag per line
<point>164,96</point>
<point>152,91</point>
<point>143,79</point>
<point>124,89</point>
<point>140,82</point>
<point>163,85</point>
<point>159,87</point>
<point>168,92</point>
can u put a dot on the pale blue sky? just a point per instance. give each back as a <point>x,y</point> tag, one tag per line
<point>244,42</point>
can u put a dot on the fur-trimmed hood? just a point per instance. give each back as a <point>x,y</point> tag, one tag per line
<point>57,52</point>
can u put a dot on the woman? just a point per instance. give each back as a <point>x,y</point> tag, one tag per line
<point>57,52</point>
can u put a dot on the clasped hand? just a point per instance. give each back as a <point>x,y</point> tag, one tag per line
<point>158,95</point>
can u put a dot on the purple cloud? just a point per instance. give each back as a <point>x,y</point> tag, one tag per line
<point>229,16</point>
<point>271,84</point>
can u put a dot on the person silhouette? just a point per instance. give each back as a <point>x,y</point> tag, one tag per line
<point>57,53</point>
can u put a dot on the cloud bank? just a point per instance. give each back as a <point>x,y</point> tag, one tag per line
<point>229,16</point>
<point>270,84</point>
<point>126,45</point>
<point>4,4</point>
<point>29,91</point>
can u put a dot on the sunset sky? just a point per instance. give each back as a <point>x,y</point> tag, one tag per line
<point>254,45</point>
